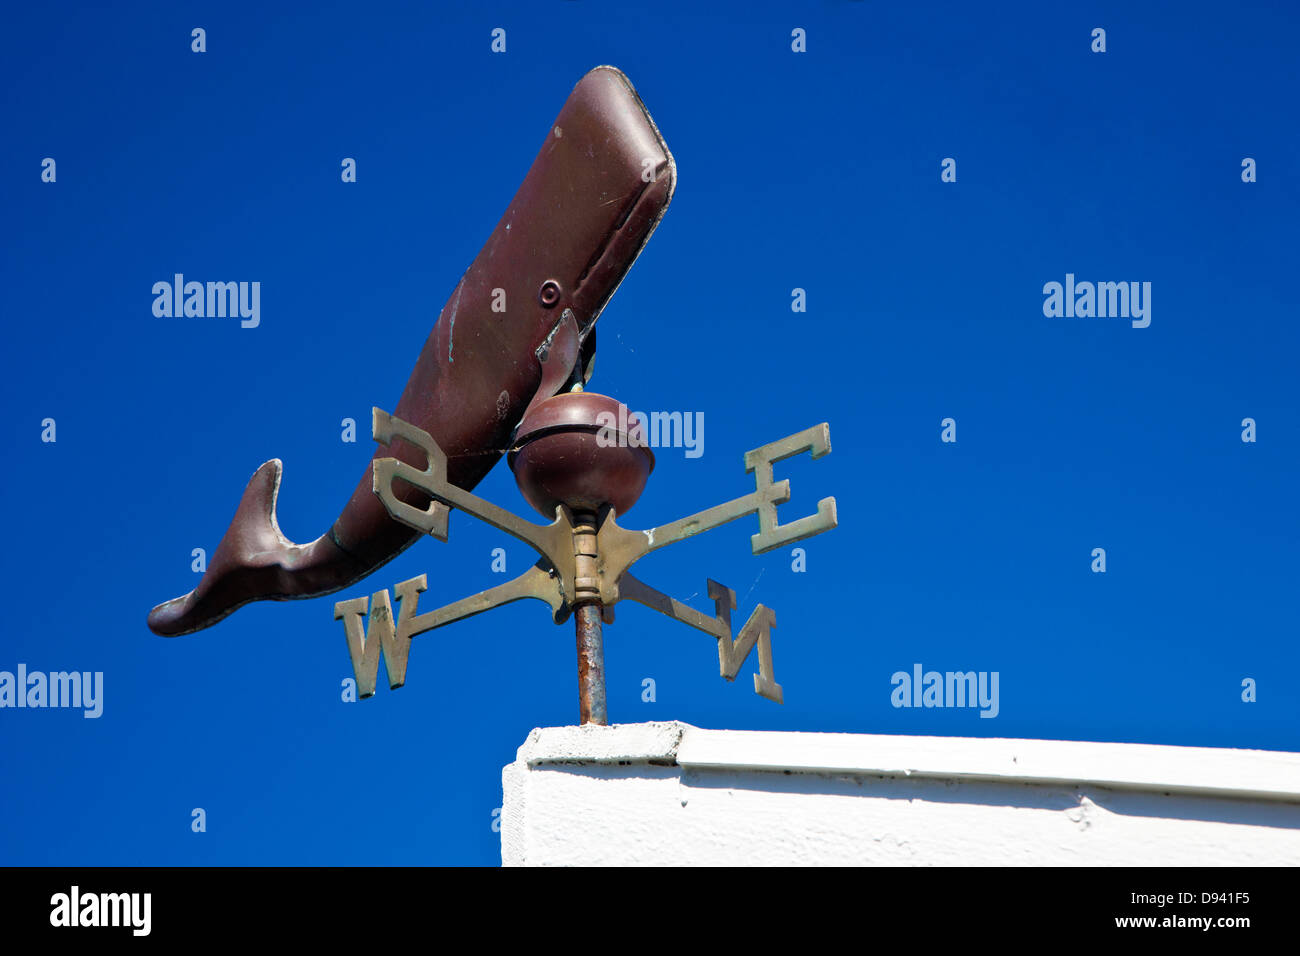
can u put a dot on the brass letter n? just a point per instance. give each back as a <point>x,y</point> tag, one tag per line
<point>757,631</point>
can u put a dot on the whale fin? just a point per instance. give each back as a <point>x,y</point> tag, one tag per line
<point>254,561</point>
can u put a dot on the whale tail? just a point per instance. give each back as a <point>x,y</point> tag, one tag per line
<point>254,561</point>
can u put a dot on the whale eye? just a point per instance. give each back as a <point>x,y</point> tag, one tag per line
<point>549,294</point>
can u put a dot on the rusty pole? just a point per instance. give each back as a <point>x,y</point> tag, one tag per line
<point>587,622</point>
<point>591,666</point>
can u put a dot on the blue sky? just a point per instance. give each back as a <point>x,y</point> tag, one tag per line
<point>817,170</point>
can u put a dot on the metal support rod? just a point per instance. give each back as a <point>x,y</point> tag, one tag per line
<point>586,620</point>
<point>591,665</point>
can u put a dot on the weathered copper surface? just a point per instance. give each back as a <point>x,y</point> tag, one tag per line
<point>564,455</point>
<point>572,231</point>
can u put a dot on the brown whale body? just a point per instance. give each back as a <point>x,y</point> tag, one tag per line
<point>582,215</point>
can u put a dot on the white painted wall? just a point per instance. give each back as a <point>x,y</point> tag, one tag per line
<point>673,794</point>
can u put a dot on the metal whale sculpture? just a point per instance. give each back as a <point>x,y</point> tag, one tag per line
<point>596,191</point>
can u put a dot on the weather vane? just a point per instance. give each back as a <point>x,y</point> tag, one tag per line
<point>570,463</point>
<point>500,371</point>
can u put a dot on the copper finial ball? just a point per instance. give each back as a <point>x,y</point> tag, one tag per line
<point>579,449</point>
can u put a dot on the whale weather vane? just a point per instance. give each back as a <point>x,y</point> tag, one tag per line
<point>488,380</point>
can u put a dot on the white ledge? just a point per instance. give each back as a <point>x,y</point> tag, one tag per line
<point>1239,774</point>
<point>651,742</point>
<point>669,794</point>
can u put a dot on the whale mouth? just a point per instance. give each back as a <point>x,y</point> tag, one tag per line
<point>642,211</point>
